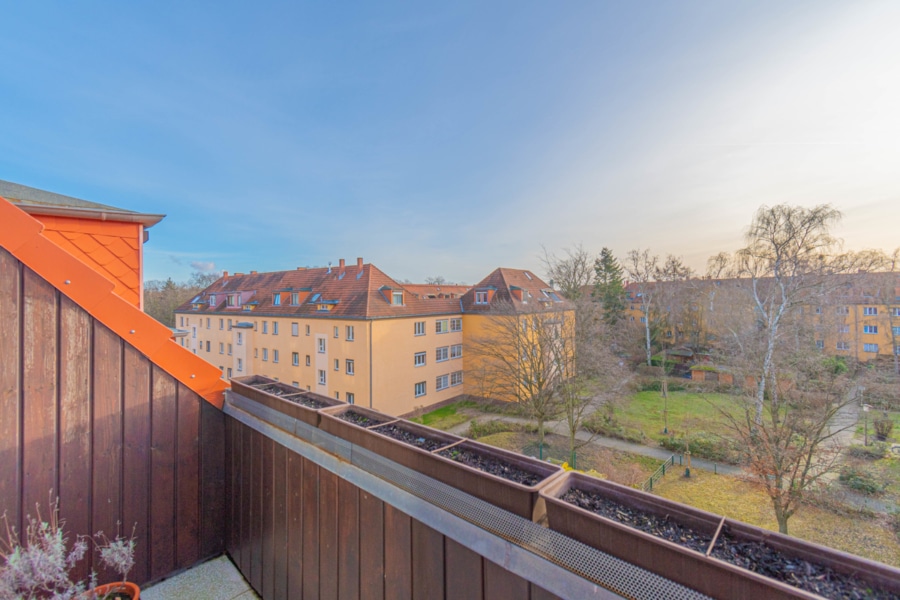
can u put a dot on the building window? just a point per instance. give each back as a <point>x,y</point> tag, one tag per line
<point>870,347</point>
<point>870,311</point>
<point>897,350</point>
<point>295,298</point>
<point>207,345</point>
<point>456,351</point>
<point>265,353</point>
<point>337,364</point>
<point>256,353</point>
<point>420,389</point>
<point>207,322</point>
<point>274,327</point>
<point>240,338</point>
<point>870,328</point>
<point>350,333</point>
<point>307,330</point>
<point>308,362</point>
<point>265,327</point>
<point>194,332</point>
<point>818,310</point>
<point>820,344</point>
<point>274,355</point>
<point>419,359</point>
<point>456,378</point>
<point>843,329</point>
<point>296,384</point>
<point>229,372</point>
<point>351,398</point>
<point>456,324</point>
<point>441,382</point>
<point>896,311</point>
<point>221,323</point>
<point>231,300</point>
<point>481,297</point>
<point>321,376</point>
<point>321,342</point>
<point>441,354</point>
<point>895,330</point>
<point>295,359</point>
<point>295,329</point>
<point>221,347</point>
<point>229,324</point>
<point>337,332</point>
<point>240,365</point>
<point>337,395</point>
<point>441,326</point>
<point>420,328</point>
<point>182,321</point>
<point>351,369</point>
<point>843,345</point>
<point>229,349</point>
<point>397,298</point>
<point>276,299</point>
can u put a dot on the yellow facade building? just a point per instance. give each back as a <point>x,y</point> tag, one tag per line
<point>349,332</point>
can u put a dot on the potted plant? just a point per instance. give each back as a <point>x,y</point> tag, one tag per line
<point>39,565</point>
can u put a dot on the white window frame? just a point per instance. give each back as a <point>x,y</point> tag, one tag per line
<point>873,348</point>
<point>419,328</point>
<point>323,376</point>
<point>842,345</point>
<point>456,324</point>
<point>870,329</point>
<point>276,299</point>
<point>870,311</point>
<point>351,367</point>
<point>337,364</point>
<point>320,345</point>
<point>442,326</point>
<point>351,333</point>
<point>481,297</point>
<point>265,327</point>
<point>295,359</point>
<point>456,378</point>
<point>240,365</point>
<point>274,355</point>
<point>441,382</point>
<point>337,332</point>
<point>441,354</point>
<point>351,398</point>
<point>420,389</point>
<point>274,327</point>
<point>265,354</point>
<point>456,351</point>
<point>295,329</point>
<point>419,359</point>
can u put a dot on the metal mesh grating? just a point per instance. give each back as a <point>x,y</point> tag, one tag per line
<point>607,571</point>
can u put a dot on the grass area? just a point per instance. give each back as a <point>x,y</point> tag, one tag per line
<point>688,411</point>
<point>620,467</point>
<point>447,416</point>
<point>858,534</point>
<point>873,416</point>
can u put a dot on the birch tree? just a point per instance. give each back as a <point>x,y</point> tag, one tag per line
<point>641,268</point>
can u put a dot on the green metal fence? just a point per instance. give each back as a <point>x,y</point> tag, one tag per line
<point>647,486</point>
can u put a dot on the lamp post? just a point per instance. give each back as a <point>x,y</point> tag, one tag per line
<point>866,408</point>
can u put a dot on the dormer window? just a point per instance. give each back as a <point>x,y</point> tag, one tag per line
<point>295,298</point>
<point>232,300</point>
<point>397,298</point>
<point>276,299</point>
<point>481,297</point>
<point>212,299</point>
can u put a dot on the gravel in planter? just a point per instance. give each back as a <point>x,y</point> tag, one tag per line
<point>307,402</point>
<point>408,437</point>
<point>491,465</point>
<point>751,555</point>
<point>351,416</point>
<point>275,390</point>
<point>648,523</point>
<point>818,579</point>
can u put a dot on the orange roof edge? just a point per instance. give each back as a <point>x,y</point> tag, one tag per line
<point>21,235</point>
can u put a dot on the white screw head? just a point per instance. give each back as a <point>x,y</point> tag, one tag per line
<point>68,282</point>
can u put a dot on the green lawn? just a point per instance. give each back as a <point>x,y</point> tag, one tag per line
<point>447,416</point>
<point>688,411</point>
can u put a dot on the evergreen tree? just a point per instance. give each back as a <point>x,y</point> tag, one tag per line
<point>609,287</point>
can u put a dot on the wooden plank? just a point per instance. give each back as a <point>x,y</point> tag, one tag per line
<point>539,593</point>
<point>427,562</point>
<point>348,540</point>
<point>187,501</point>
<point>310,530</point>
<point>371,547</point>
<point>75,329</point>
<point>295,525</point>
<point>163,411</point>
<point>229,486</point>
<point>397,554</point>
<point>328,535</point>
<point>500,583</point>
<point>268,518</point>
<point>213,488</point>
<point>39,362</point>
<point>463,571</point>
<point>106,503</point>
<point>256,572</point>
<point>10,387</point>
<point>280,508</point>
<point>136,459</point>
<point>246,496</point>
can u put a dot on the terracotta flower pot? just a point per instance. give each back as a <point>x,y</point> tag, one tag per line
<point>115,591</point>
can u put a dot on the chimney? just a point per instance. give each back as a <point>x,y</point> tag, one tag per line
<point>341,265</point>
<point>238,274</point>
<point>253,272</point>
<point>225,274</point>
<point>301,268</point>
<point>359,263</point>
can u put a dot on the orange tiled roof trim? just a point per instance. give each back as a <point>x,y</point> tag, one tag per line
<point>23,237</point>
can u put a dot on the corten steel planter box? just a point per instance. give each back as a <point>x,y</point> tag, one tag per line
<point>249,387</point>
<point>693,569</point>
<point>509,495</point>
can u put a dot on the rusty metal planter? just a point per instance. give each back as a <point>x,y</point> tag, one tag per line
<point>247,387</point>
<point>705,574</point>
<point>509,495</point>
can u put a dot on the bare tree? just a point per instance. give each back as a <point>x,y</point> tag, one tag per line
<point>161,298</point>
<point>641,267</point>
<point>517,356</point>
<point>436,280</point>
<point>570,273</point>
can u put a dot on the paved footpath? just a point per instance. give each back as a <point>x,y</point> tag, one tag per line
<point>559,427</point>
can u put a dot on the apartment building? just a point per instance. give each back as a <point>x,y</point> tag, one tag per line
<point>350,332</point>
<point>859,317</point>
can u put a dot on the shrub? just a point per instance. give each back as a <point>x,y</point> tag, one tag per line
<point>483,428</point>
<point>860,479</point>
<point>883,427</point>
<point>873,452</point>
<point>704,445</point>
<point>655,385</point>
<point>601,424</point>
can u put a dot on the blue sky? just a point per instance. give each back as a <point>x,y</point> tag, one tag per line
<point>452,138</point>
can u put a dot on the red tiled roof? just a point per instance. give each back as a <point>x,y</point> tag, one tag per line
<point>523,289</point>
<point>23,237</point>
